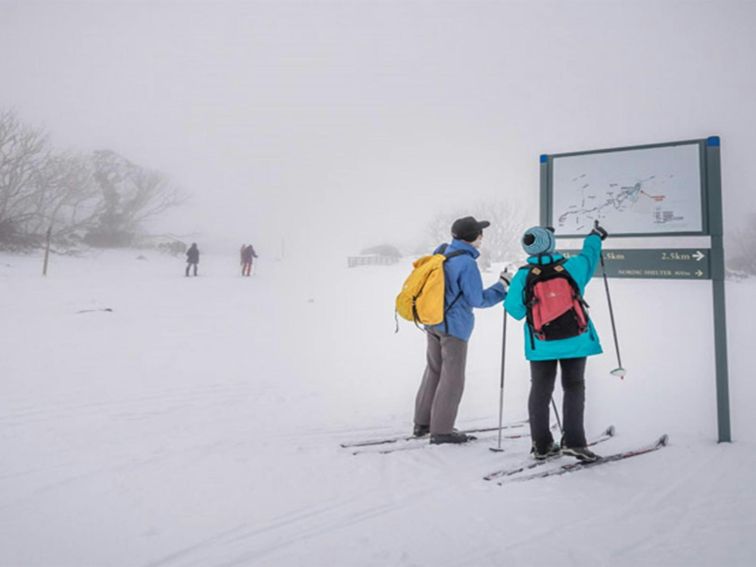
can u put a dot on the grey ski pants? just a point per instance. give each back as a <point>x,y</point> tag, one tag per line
<point>443,382</point>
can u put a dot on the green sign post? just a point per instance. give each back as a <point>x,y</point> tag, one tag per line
<point>668,263</point>
<point>672,190</point>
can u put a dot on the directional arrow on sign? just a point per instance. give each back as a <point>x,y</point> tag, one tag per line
<point>671,263</point>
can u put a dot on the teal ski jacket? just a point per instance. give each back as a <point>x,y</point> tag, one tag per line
<point>581,268</point>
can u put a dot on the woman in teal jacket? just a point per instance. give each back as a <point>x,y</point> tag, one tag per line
<point>571,353</point>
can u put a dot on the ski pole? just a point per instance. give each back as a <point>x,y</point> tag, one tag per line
<point>498,448</point>
<point>619,371</point>
<point>556,414</point>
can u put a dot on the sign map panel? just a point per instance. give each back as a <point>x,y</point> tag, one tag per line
<point>641,191</point>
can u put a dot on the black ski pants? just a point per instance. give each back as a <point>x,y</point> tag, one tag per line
<point>189,267</point>
<point>542,378</point>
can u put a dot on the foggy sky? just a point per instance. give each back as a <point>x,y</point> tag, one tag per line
<point>337,125</point>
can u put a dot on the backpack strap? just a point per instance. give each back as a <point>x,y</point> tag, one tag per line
<point>527,297</point>
<point>448,257</point>
<point>446,323</point>
<point>454,254</point>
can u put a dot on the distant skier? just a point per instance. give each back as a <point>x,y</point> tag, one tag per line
<point>548,291</point>
<point>247,257</point>
<point>192,258</point>
<point>440,392</point>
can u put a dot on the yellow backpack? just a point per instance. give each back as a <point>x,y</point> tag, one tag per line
<point>422,297</point>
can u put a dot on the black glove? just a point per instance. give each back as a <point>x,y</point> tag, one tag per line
<point>599,231</point>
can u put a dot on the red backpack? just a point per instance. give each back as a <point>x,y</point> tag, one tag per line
<point>555,308</point>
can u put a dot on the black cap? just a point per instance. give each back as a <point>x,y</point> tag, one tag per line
<point>468,229</point>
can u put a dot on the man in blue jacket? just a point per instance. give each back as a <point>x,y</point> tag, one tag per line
<point>571,353</point>
<point>443,382</point>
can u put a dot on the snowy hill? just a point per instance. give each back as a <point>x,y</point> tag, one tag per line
<point>198,423</point>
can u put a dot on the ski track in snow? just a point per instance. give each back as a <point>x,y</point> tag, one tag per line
<point>247,545</point>
<point>197,439</point>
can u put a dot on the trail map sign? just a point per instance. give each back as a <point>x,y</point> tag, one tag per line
<point>657,190</point>
<point>654,190</point>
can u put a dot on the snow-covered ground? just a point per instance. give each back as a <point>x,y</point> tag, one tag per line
<point>198,423</point>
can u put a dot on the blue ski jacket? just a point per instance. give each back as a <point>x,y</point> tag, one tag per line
<point>581,268</point>
<point>464,290</point>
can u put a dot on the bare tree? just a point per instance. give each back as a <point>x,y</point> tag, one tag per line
<point>23,153</point>
<point>68,198</point>
<point>742,252</point>
<point>130,196</point>
<point>501,240</point>
<point>103,199</point>
<point>508,221</point>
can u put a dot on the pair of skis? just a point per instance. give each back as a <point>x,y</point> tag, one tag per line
<point>406,442</point>
<point>607,434</point>
<point>513,474</point>
<point>397,443</point>
<point>400,438</point>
